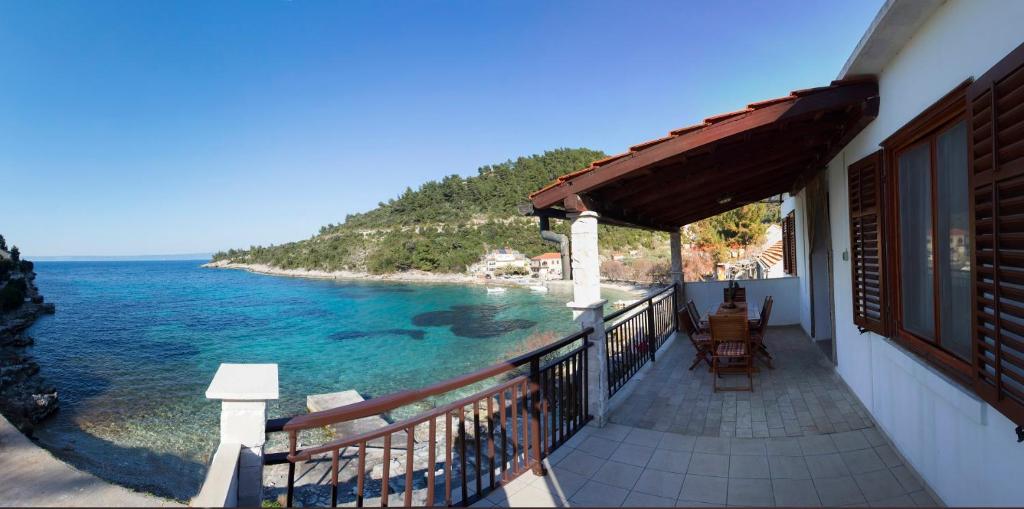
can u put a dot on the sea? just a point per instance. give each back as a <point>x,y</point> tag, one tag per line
<point>134,344</point>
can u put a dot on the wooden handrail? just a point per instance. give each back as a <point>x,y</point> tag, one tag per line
<point>341,443</point>
<point>386,403</point>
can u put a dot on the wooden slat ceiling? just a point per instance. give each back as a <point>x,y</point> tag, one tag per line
<point>729,160</point>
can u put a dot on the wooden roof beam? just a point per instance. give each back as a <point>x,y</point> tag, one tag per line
<point>613,214</point>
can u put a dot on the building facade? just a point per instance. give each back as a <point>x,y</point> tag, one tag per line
<point>546,266</point>
<point>501,262</point>
<point>923,381</point>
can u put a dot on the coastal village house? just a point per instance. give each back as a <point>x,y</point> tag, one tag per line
<point>898,374</point>
<point>546,266</point>
<point>500,261</point>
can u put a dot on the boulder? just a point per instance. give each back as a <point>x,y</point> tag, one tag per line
<point>318,402</point>
<point>45,404</point>
<point>18,341</point>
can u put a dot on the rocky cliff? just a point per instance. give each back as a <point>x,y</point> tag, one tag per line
<point>25,397</point>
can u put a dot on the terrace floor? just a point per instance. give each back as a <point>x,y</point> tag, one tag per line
<point>802,396</point>
<point>800,439</point>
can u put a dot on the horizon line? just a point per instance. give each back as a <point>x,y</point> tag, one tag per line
<point>100,258</point>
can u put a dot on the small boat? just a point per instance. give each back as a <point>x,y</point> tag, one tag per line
<point>539,288</point>
<point>498,289</point>
<point>620,304</point>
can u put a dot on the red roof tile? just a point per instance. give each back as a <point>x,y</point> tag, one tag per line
<point>687,129</point>
<point>726,116</point>
<point>547,256</point>
<point>769,102</point>
<point>772,255</point>
<point>651,143</point>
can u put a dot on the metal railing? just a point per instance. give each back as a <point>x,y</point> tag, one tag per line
<point>635,333</point>
<point>482,441</point>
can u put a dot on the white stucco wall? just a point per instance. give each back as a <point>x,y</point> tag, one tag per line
<point>803,303</point>
<point>964,448</point>
<point>785,310</point>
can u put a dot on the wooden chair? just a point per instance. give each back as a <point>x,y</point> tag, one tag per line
<point>756,323</point>
<point>695,316</point>
<point>701,340</point>
<point>731,349</point>
<point>757,336</point>
<point>741,294</point>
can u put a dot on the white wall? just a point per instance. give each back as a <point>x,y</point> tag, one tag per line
<point>803,303</point>
<point>964,448</point>
<point>785,310</point>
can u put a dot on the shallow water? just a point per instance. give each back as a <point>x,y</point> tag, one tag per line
<point>134,344</point>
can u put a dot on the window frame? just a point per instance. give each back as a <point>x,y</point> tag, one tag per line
<point>925,128</point>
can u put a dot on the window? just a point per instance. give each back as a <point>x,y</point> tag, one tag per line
<point>930,221</point>
<point>789,244</point>
<point>935,263</point>
<point>937,235</point>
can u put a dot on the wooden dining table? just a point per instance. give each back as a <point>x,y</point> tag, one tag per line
<point>752,309</point>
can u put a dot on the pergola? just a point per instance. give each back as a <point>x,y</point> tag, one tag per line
<point>768,148</point>
<point>728,160</point>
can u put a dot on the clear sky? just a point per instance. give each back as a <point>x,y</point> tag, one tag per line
<point>171,127</point>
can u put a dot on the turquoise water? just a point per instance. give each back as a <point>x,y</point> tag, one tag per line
<point>134,345</point>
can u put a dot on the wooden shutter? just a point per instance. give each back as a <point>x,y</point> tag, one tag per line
<point>996,120</point>
<point>866,257</point>
<point>789,244</point>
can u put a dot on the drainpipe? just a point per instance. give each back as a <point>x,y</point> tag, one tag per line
<point>563,245</point>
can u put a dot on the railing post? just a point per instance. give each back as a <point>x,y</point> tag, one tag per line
<point>650,327</point>
<point>244,390</point>
<point>535,410</point>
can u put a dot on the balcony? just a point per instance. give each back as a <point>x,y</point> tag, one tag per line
<point>800,438</point>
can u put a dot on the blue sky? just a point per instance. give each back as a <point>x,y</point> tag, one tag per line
<point>171,127</point>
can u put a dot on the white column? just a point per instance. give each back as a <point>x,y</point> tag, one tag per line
<point>586,266</point>
<point>244,390</point>
<point>588,309</point>
<point>677,257</point>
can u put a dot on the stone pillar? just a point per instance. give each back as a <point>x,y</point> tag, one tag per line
<point>597,359</point>
<point>588,309</point>
<point>244,390</point>
<point>677,257</point>
<point>586,266</point>
<point>679,298</point>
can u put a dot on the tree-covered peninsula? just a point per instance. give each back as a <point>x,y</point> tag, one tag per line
<point>443,226</point>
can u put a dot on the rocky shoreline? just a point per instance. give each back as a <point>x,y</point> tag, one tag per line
<point>25,397</point>
<point>412,276</point>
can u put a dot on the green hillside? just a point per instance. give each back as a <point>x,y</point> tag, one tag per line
<point>444,225</point>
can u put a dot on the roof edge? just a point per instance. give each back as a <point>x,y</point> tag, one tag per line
<point>895,24</point>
